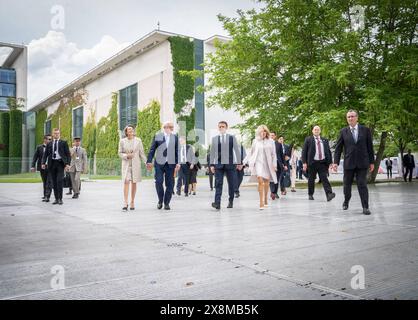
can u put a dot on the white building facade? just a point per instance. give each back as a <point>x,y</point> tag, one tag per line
<point>141,73</point>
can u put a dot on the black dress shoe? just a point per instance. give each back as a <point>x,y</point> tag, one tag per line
<point>186,194</point>
<point>366,211</point>
<point>60,202</point>
<point>230,205</point>
<point>75,196</point>
<point>166,207</point>
<point>69,193</point>
<point>178,193</point>
<point>345,206</point>
<point>55,202</point>
<point>237,194</point>
<point>159,205</point>
<point>311,198</point>
<point>215,205</point>
<point>330,196</point>
<point>45,200</point>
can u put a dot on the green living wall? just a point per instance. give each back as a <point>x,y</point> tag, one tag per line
<point>148,124</point>
<point>15,141</point>
<point>41,116</point>
<point>4,142</point>
<point>89,138</point>
<point>182,52</point>
<point>107,142</point>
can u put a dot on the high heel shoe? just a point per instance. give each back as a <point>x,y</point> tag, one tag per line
<point>131,208</point>
<point>125,208</point>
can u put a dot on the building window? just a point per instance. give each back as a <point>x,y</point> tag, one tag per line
<point>128,106</point>
<point>47,129</point>
<point>7,90</point>
<point>7,76</point>
<point>78,122</point>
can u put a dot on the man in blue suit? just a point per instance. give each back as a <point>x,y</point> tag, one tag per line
<point>164,147</point>
<point>225,159</point>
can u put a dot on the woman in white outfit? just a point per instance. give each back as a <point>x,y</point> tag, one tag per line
<point>262,161</point>
<point>293,163</point>
<point>131,150</point>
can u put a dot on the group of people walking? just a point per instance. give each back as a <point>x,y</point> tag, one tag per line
<point>53,158</point>
<point>269,161</point>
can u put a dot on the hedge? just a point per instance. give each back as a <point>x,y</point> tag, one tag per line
<point>4,142</point>
<point>15,141</point>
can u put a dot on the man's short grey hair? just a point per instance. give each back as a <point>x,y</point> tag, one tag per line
<point>352,110</point>
<point>168,123</point>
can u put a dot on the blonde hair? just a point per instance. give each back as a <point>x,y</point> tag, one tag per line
<point>262,128</point>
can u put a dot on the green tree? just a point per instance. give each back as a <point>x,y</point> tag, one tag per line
<point>298,63</point>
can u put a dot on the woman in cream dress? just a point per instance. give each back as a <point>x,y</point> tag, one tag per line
<point>262,161</point>
<point>293,163</point>
<point>131,151</point>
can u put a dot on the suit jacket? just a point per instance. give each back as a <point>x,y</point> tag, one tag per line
<point>227,153</point>
<point>37,157</point>
<point>408,161</point>
<point>309,150</point>
<point>190,156</point>
<point>80,164</point>
<point>388,163</point>
<point>160,151</point>
<point>279,155</point>
<point>356,155</point>
<point>63,150</point>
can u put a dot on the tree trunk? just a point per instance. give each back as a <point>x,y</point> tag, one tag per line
<point>379,157</point>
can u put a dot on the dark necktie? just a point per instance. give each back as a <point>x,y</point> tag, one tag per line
<point>55,149</point>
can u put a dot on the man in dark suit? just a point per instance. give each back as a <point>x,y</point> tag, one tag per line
<point>58,158</point>
<point>37,166</point>
<point>164,147</point>
<point>287,151</point>
<point>187,162</point>
<point>389,163</point>
<point>274,187</point>
<point>225,158</point>
<point>240,173</point>
<point>408,162</point>
<point>356,140</point>
<point>316,158</point>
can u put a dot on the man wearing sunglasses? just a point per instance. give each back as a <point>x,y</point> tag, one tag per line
<point>37,166</point>
<point>356,140</point>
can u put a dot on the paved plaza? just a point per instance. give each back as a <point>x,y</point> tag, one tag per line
<point>296,249</point>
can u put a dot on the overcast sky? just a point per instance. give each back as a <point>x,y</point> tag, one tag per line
<point>96,29</point>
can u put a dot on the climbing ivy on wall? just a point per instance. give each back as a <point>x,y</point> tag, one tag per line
<point>62,117</point>
<point>182,52</point>
<point>41,116</point>
<point>107,142</point>
<point>4,142</point>
<point>148,124</point>
<point>89,137</point>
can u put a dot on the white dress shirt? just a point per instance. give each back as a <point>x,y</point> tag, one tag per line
<point>57,154</point>
<point>355,132</point>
